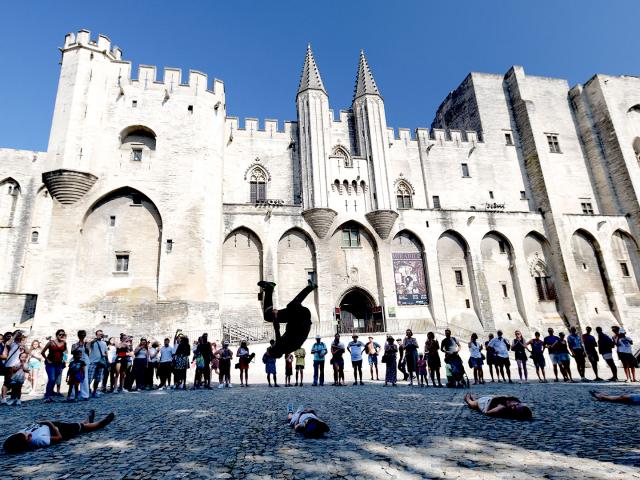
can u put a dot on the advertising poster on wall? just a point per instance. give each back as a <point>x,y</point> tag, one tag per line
<point>411,285</point>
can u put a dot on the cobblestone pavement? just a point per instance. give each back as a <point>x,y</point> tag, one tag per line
<point>377,432</point>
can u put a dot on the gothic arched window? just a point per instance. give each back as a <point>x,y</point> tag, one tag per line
<point>257,185</point>
<point>344,158</point>
<point>404,196</point>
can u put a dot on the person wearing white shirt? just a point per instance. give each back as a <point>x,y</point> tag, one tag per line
<point>164,365</point>
<point>501,348</point>
<point>46,432</point>
<point>355,348</point>
<point>98,363</point>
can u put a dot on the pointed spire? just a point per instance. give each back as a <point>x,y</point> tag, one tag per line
<point>365,84</point>
<point>310,78</point>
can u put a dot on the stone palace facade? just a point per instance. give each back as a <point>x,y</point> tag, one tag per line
<point>152,209</point>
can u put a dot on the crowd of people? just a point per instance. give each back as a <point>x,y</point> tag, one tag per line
<point>107,364</point>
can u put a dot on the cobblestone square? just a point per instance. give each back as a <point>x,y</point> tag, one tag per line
<point>377,433</point>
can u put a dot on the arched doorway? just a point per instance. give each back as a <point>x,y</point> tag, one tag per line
<point>358,313</point>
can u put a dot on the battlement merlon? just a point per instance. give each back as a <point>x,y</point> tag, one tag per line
<point>197,81</point>
<point>270,128</point>
<point>424,136</point>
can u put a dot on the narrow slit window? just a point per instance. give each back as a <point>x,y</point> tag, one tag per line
<point>504,290</point>
<point>491,194</point>
<point>112,221</point>
<point>436,201</point>
<point>467,303</point>
<point>523,195</point>
<point>625,269</point>
<point>459,280</point>
<point>508,139</point>
<point>136,154</point>
<point>465,170</point>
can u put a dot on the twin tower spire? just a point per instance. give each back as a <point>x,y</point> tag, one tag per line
<point>311,80</point>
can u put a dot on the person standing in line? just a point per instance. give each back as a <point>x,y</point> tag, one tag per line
<point>319,351</point>
<point>35,365</point>
<point>520,352</point>
<point>53,352</point>
<point>625,353</point>
<point>270,366</point>
<point>84,348</point>
<point>590,347</point>
<point>491,358</point>
<point>402,362</point>
<point>422,371</point>
<point>501,348</point>
<point>19,374</point>
<point>225,355</point>
<point>110,375</point>
<point>299,354</point>
<point>432,351</point>
<point>562,354</point>
<point>372,349</point>
<point>140,363</point>
<point>355,348</point>
<point>577,352</point>
<point>123,351</point>
<point>410,345</point>
<point>97,362</point>
<point>215,361</point>
<point>551,342</point>
<point>337,351</point>
<point>288,369</point>
<point>181,362</point>
<point>389,359</point>
<point>164,366</point>
<point>605,347</point>
<point>475,359</point>
<point>154,361</point>
<point>244,359</point>
<point>13,347</point>
<point>537,355</point>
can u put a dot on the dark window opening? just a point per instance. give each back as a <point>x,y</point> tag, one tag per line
<point>545,289</point>
<point>467,303</point>
<point>258,191</point>
<point>134,103</point>
<point>504,290</point>
<point>122,262</point>
<point>436,201</point>
<point>502,246</point>
<point>508,139</point>
<point>523,195</point>
<point>34,237</point>
<point>587,208</point>
<point>136,200</point>
<point>190,108</point>
<point>491,194</point>
<point>554,145</point>
<point>465,170</point>
<point>136,154</point>
<point>625,269</point>
<point>350,237</point>
<point>112,221</point>
<point>509,316</point>
<point>458,274</point>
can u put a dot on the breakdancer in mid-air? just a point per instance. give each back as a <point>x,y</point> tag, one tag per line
<point>297,318</point>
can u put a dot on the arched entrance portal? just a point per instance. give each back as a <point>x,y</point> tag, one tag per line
<point>357,313</point>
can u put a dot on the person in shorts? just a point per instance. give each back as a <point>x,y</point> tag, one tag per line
<point>355,348</point>
<point>629,399</point>
<point>551,342</point>
<point>625,352</point>
<point>499,406</point>
<point>372,348</point>
<point>299,354</point>
<point>305,420</point>
<point>46,432</point>
<point>605,348</point>
<point>288,369</point>
<point>501,348</point>
<point>537,355</point>
<point>491,358</point>
<point>591,349</point>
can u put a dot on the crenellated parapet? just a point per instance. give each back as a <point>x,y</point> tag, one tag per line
<point>434,136</point>
<point>147,75</point>
<point>270,129</point>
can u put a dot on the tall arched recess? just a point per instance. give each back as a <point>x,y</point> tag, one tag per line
<point>541,278</point>
<point>296,265</point>
<point>627,257</point>
<point>241,271</point>
<point>592,292</point>
<point>457,279</point>
<point>119,251</point>
<point>502,282</point>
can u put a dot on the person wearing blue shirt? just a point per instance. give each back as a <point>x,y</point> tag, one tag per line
<point>577,351</point>
<point>550,341</point>
<point>319,351</point>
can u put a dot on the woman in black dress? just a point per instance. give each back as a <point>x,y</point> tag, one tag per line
<point>432,347</point>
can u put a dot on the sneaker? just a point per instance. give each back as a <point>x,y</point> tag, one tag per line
<point>9,402</point>
<point>289,407</point>
<point>355,383</point>
<point>4,402</point>
<point>221,385</point>
<point>361,383</point>
<point>229,385</point>
<point>48,400</point>
<point>18,403</point>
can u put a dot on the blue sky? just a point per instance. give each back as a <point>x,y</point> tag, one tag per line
<point>418,51</point>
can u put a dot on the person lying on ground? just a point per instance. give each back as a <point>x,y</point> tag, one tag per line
<point>46,432</point>
<point>305,421</point>
<point>297,318</point>
<point>499,406</point>
<point>629,399</point>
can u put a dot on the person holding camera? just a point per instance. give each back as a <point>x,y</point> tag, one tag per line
<point>98,362</point>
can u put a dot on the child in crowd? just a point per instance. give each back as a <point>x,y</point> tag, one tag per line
<point>288,370</point>
<point>75,375</point>
<point>270,366</point>
<point>18,377</point>
<point>422,371</point>
<point>299,354</point>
